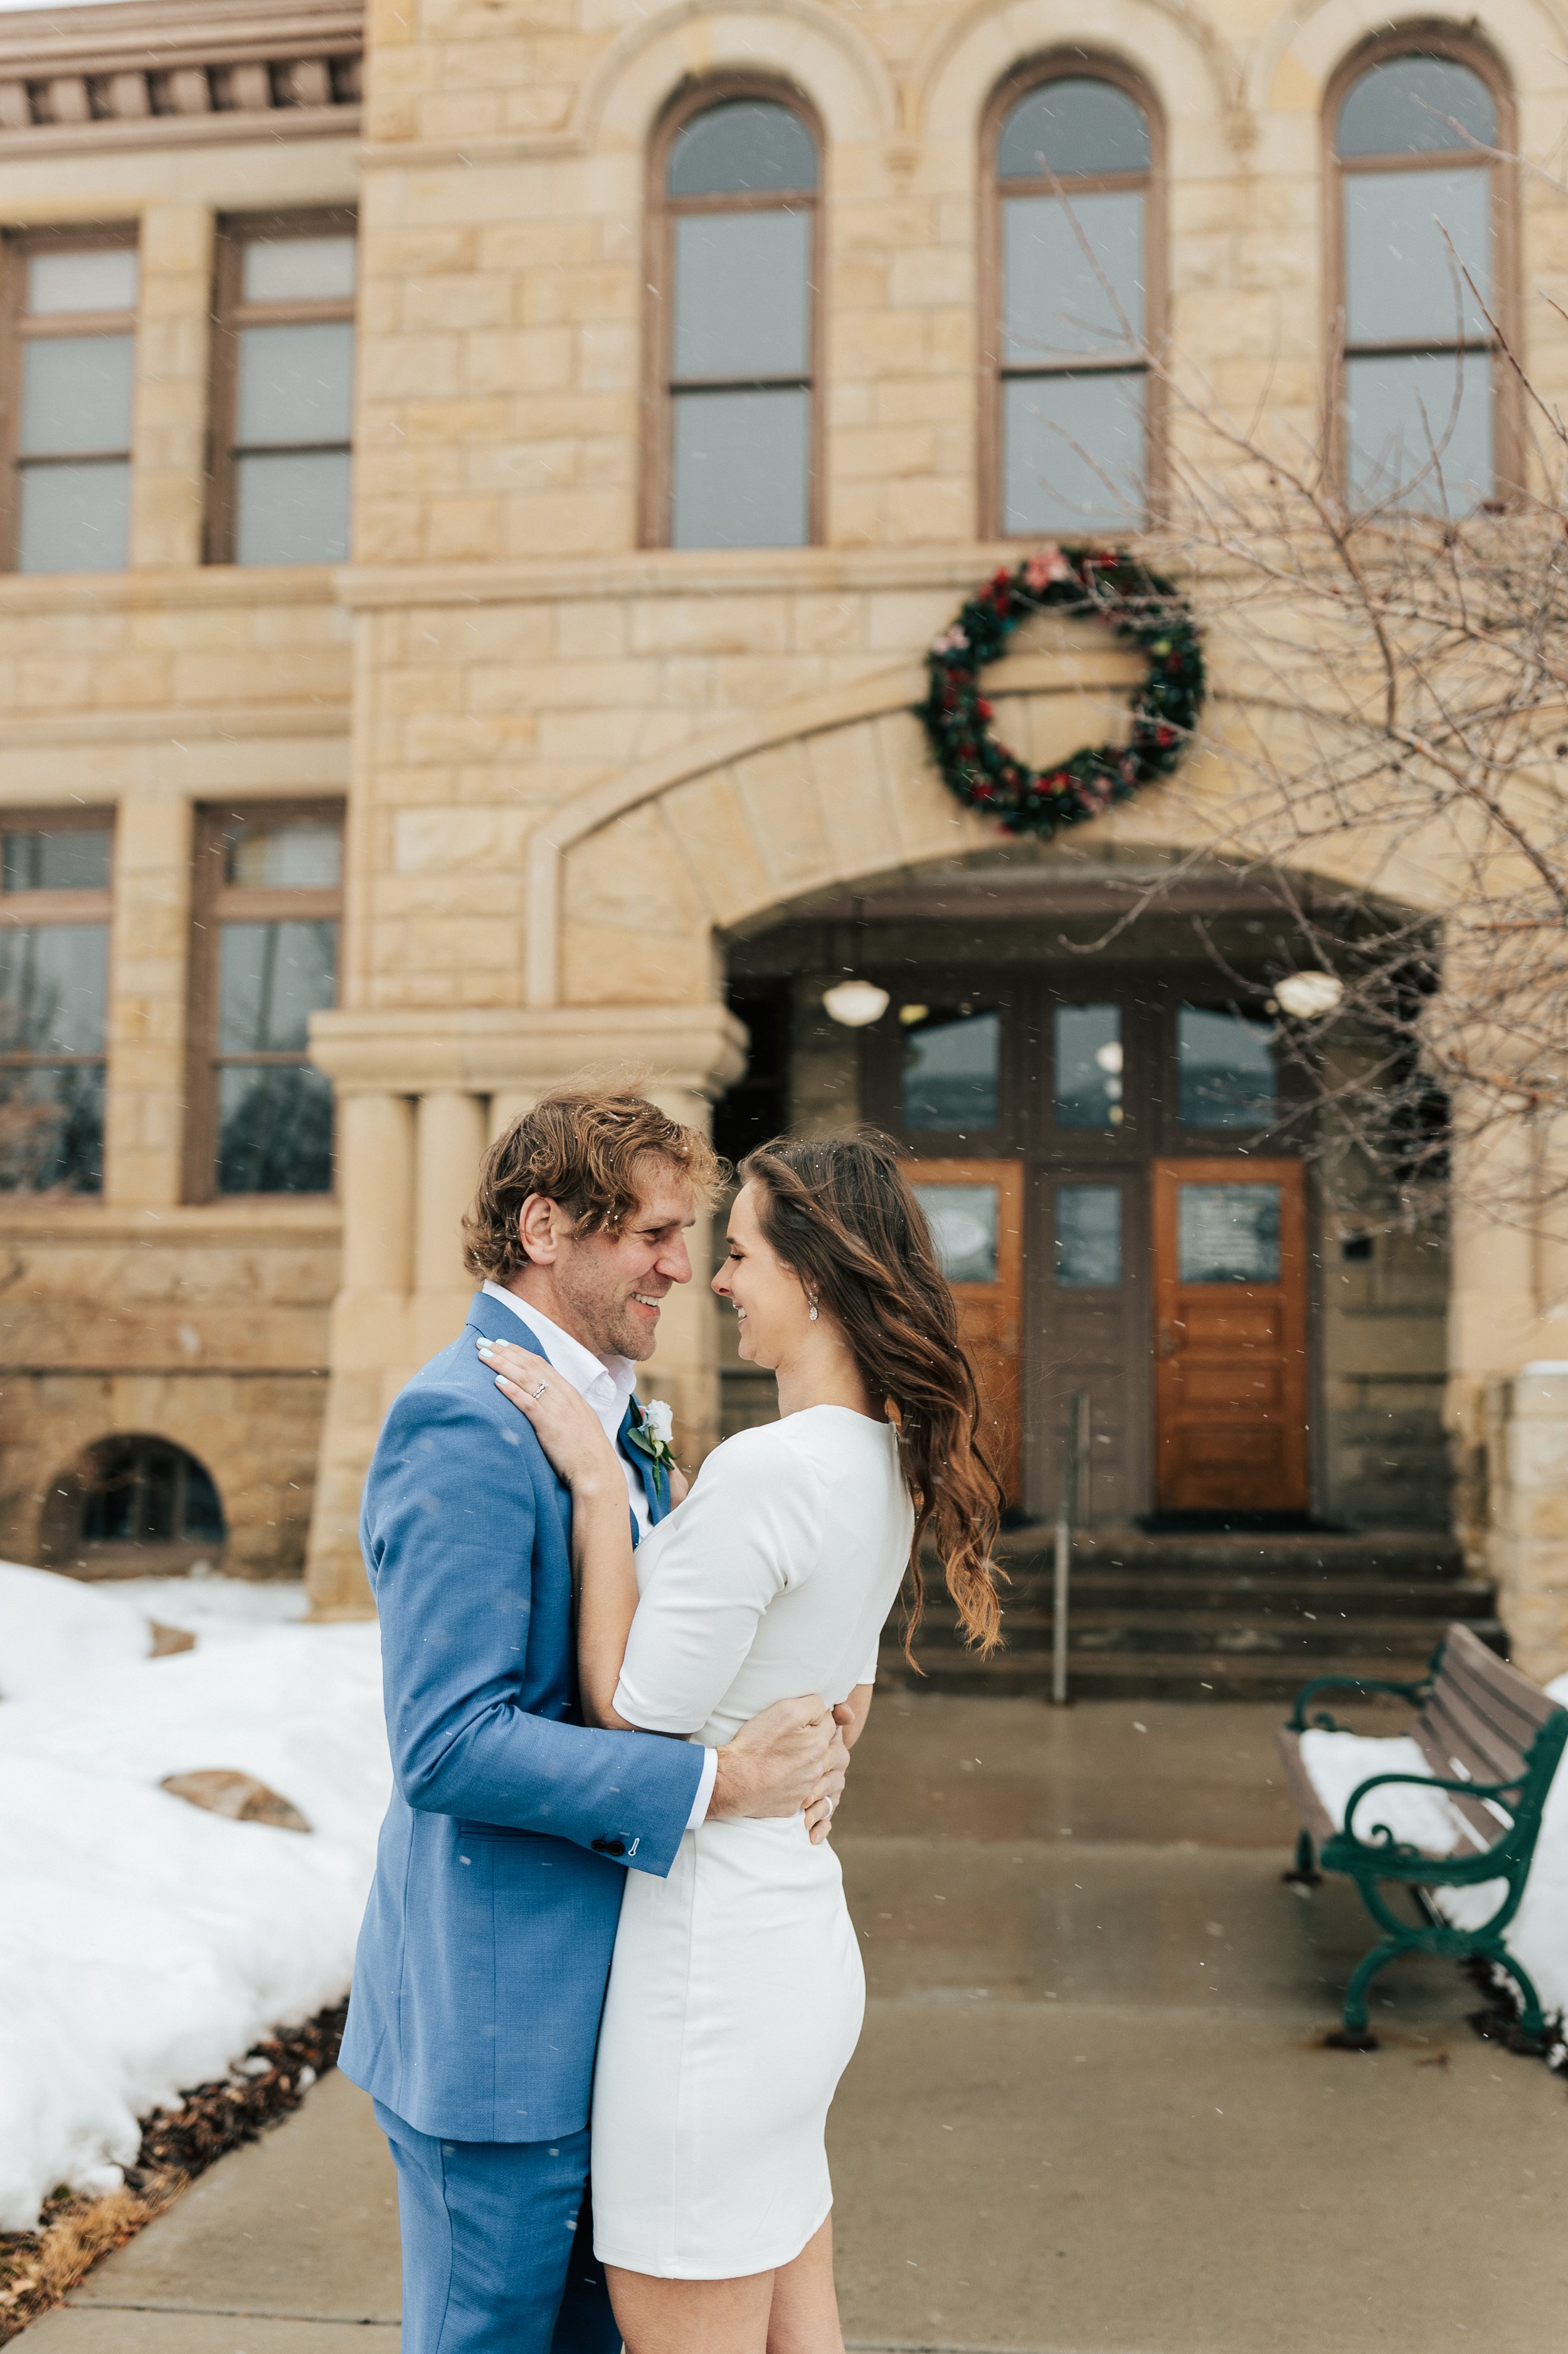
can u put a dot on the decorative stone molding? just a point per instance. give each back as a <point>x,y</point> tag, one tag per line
<point>162,72</point>
<point>488,1050</point>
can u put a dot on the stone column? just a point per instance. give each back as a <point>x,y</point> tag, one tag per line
<point>449,1145</point>
<point>1528,1543</point>
<point>370,1344</point>
<point>174,327</point>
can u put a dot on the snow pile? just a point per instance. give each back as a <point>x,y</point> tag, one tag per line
<point>144,1944</point>
<point>1538,1935</point>
<point>52,1627</point>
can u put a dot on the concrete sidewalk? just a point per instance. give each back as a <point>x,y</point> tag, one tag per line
<point>1089,2115</point>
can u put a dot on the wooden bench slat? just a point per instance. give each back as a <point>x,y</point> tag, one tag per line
<point>1486,1826</point>
<point>1476,1665</point>
<point>1461,1734</point>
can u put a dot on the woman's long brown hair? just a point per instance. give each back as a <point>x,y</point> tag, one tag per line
<point>841,1214</point>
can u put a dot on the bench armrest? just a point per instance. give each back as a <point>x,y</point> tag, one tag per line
<point>1415,1693</point>
<point>1498,1790</point>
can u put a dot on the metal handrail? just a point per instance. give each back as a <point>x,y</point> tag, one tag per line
<point>1075,1508</point>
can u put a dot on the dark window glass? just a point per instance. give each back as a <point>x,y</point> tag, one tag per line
<point>53,987</point>
<point>1088,1067</point>
<point>1225,1069</point>
<point>274,935</point>
<point>952,1071</point>
<point>1088,1238</point>
<point>739,354</point>
<point>146,1492</point>
<point>1228,1233</point>
<point>72,860</point>
<point>274,1129</point>
<point>964,1221</point>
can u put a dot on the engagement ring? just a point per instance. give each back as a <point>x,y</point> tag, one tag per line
<point>540,1390</point>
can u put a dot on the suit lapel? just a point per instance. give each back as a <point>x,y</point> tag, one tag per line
<point>656,1489</point>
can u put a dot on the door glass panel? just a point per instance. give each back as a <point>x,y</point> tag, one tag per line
<point>1088,1067</point>
<point>1225,1068</point>
<point>741,469</point>
<point>963,1220</point>
<point>1228,1233</point>
<point>1088,1238</point>
<point>952,1072</point>
<point>1073,457</point>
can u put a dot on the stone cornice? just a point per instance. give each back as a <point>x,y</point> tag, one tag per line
<point>490,1050</point>
<point>177,72</point>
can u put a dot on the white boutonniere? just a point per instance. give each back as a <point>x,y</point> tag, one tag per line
<point>652,1434</point>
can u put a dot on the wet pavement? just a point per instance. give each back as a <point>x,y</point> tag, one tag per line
<point>1090,2113</point>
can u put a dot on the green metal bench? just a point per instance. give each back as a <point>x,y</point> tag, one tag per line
<point>1493,1739</point>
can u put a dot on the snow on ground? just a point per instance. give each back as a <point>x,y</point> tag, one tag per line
<point>1339,1761</point>
<point>144,1945</point>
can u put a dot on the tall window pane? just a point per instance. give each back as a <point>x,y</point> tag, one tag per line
<point>75,371</point>
<point>268,907</point>
<point>285,392</point>
<point>1418,236</point>
<point>740,182</point>
<point>1072,169</point>
<point>54,977</point>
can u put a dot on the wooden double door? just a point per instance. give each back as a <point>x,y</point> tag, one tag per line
<point>1189,1307</point>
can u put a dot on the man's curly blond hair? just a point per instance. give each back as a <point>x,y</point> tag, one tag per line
<point>581,1148</point>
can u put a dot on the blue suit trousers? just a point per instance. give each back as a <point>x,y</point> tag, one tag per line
<point>497,2246</point>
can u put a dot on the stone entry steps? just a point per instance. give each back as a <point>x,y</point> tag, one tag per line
<point>1221,1617</point>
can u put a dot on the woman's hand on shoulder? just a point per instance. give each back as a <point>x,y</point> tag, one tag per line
<point>565,1423</point>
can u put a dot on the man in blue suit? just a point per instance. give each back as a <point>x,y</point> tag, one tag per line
<point>485,1951</point>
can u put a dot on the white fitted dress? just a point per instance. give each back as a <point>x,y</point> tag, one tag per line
<point>736,1993</point>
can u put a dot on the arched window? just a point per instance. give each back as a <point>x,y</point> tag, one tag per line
<point>1075,249</point>
<point>132,1502</point>
<point>733,322</point>
<point>1421,262</point>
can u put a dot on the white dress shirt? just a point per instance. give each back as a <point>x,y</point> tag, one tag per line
<point>606,1384</point>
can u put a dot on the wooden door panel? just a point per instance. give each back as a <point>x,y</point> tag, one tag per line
<point>976,1211</point>
<point>1230,1281</point>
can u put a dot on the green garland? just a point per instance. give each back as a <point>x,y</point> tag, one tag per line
<point>1104,585</point>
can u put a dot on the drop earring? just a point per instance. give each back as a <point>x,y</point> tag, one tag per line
<point>813,1316</point>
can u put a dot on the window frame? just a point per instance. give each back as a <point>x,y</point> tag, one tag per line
<point>1466,49</point>
<point>36,910</point>
<point>216,902</point>
<point>18,329</point>
<point>1031,74</point>
<point>661,212</point>
<point>230,316</point>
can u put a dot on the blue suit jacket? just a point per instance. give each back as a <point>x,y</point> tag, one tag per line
<point>485,1950</point>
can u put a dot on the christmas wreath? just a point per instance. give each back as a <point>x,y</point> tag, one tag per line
<point>1104,585</point>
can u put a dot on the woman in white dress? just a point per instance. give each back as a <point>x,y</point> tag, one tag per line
<point>736,1992</point>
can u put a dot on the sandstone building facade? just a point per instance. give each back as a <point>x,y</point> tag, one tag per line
<point>481,478</point>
